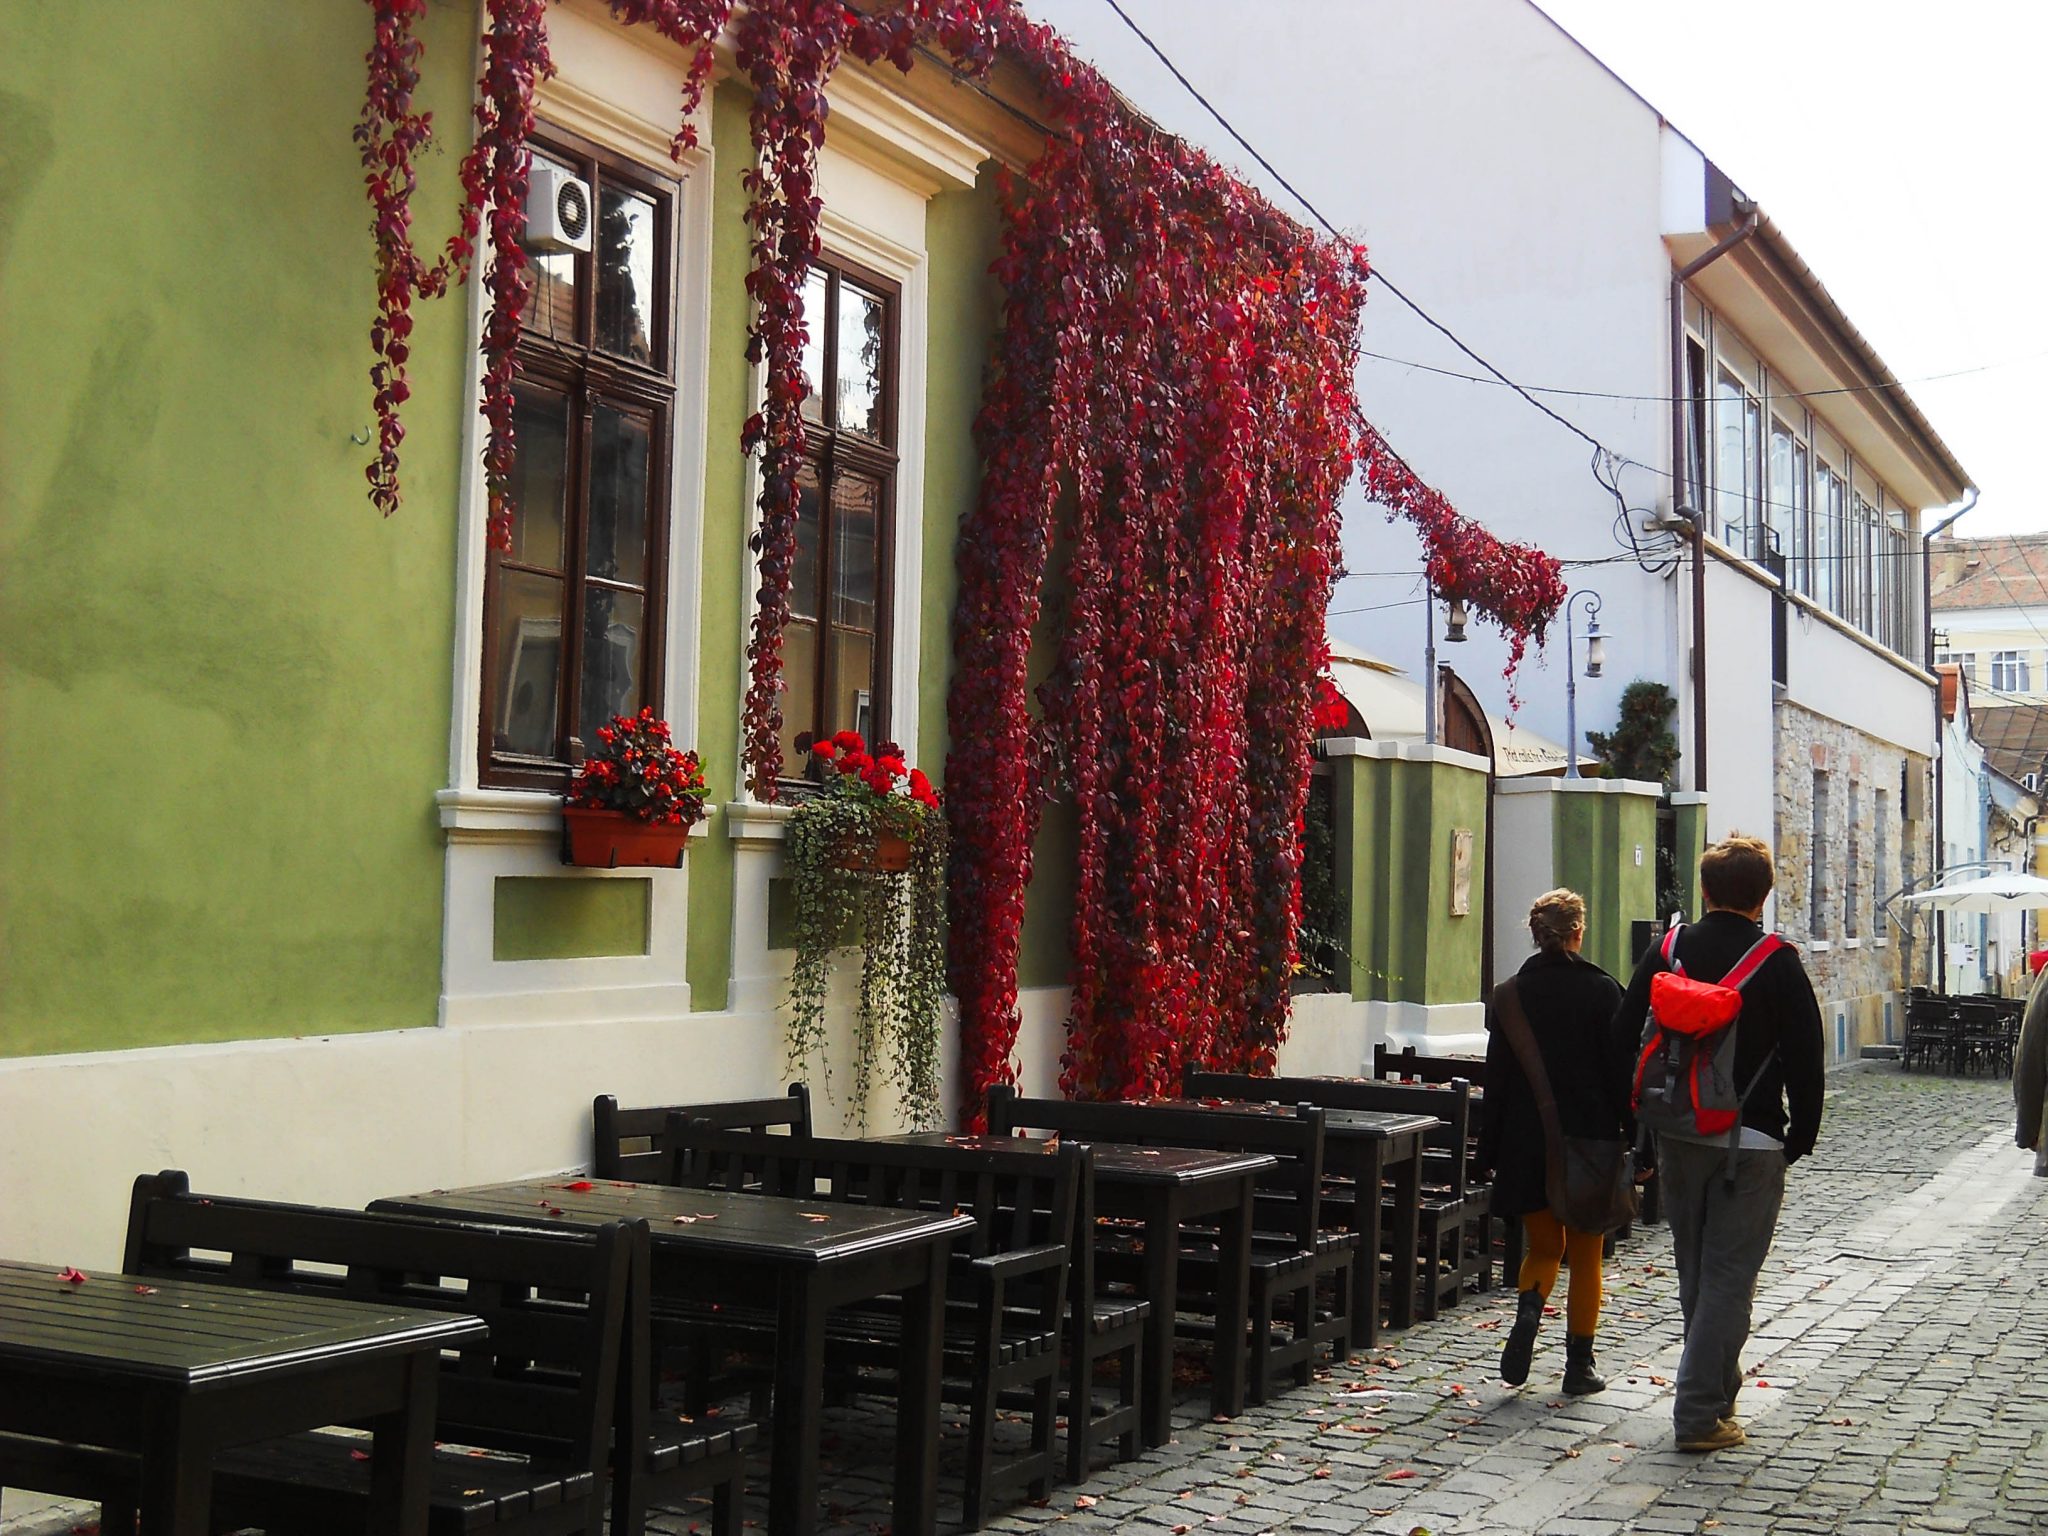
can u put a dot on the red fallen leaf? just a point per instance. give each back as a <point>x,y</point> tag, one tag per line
<point>1320,1472</point>
<point>358,1455</point>
<point>1761,1382</point>
<point>1457,1386</point>
<point>1180,1530</point>
<point>72,1276</point>
<point>1084,1501</point>
<point>554,1210</point>
<point>1549,1311</point>
<point>579,1187</point>
<point>1491,1322</point>
<point>1400,1476</point>
<point>145,1290</point>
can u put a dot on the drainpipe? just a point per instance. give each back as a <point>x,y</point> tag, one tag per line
<point>1680,485</point>
<point>1927,613</point>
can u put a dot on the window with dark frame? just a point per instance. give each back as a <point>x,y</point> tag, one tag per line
<point>835,648</point>
<point>573,613</point>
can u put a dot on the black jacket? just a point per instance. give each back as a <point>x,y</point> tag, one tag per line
<point>1570,1004</point>
<point>1779,1014</point>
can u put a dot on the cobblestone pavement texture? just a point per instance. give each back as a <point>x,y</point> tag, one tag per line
<point>1896,1383</point>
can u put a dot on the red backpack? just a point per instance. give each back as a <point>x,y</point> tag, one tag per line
<point>1685,1076</point>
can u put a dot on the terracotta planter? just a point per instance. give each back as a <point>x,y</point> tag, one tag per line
<point>888,853</point>
<point>614,840</point>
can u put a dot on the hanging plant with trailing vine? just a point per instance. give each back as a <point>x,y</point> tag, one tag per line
<point>1194,470</point>
<point>849,889</point>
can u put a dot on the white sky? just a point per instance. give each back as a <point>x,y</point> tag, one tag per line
<point>1900,145</point>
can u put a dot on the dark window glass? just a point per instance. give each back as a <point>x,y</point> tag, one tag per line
<point>572,614</point>
<point>834,649</point>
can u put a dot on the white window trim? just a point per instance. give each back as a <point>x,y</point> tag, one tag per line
<point>493,834</point>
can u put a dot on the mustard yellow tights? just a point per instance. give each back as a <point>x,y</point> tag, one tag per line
<point>1551,1241</point>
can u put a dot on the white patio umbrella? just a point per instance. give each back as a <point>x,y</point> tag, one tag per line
<point>1984,893</point>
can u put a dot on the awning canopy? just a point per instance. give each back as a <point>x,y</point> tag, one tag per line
<point>1984,893</point>
<point>1391,704</point>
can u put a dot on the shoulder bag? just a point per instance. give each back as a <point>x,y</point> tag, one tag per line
<point>1587,1179</point>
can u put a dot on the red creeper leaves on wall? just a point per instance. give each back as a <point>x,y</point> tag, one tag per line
<point>1172,402</point>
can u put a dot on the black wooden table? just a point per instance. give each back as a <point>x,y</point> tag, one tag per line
<point>1164,1187</point>
<point>1367,1146</point>
<point>140,1383</point>
<point>718,1247</point>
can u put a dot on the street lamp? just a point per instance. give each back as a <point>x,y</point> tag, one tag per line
<point>1596,659</point>
<point>1454,634</point>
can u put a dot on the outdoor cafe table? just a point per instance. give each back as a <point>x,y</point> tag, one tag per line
<point>1366,1146</point>
<point>1165,1187</point>
<point>717,1246</point>
<point>149,1379</point>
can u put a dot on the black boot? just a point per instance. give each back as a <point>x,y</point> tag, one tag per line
<point>1579,1376</point>
<point>1521,1344</point>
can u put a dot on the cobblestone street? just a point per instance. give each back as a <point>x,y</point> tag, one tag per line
<point>1896,1381</point>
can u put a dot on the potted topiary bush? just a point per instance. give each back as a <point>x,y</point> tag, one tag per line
<point>866,860</point>
<point>634,800</point>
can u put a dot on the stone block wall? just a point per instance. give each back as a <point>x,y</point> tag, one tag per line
<point>1864,846</point>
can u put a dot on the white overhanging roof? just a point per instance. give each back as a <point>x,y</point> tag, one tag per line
<point>1391,704</point>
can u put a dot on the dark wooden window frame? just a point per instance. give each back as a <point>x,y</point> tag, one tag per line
<point>830,450</point>
<point>587,375</point>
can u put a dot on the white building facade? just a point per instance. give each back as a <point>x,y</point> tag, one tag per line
<point>1530,201</point>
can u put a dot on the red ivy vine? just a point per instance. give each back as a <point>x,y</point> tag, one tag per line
<point>1173,394</point>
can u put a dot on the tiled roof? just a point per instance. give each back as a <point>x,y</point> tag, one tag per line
<point>2015,737</point>
<point>2009,571</point>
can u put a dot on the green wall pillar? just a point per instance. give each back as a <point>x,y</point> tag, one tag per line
<point>1604,842</point>
<point>1399,807</point>
<point>1690,810</point>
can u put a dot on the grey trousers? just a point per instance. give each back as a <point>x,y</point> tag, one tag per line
<point>1719,1237</point>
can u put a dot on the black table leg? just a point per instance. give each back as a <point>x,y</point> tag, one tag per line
<point>1365,1273</point>
<point>917,1403</point>
<point>1407,1264</point>
<point>1234,1255</point>
<point>177,1474</point>
<point>799,1406</point>
<point>1162,1288</point>
<point>402,1454</point>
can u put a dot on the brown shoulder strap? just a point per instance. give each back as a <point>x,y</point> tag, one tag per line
<point>1507,1003</point>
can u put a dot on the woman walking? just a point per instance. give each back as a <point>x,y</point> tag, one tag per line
<point>1569,1004</point>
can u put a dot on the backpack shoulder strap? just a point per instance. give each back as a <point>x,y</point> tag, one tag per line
<point>1669,948</point>
<point>1739,974</point>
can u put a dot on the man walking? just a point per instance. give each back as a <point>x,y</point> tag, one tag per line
<point>1723,1202</point>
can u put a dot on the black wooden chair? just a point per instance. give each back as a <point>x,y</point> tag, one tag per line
<point>1411,1066</point>
<point>1290,1251</point>
<point>1006,1296</point>
<point>632,1144</point>
<point>556,1393</point>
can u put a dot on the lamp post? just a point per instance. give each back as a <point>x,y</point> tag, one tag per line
<point>1454,634</point>
<point>1596,658</point>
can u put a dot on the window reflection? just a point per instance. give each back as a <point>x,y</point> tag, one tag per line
<point>862,318</point>
<point>626,233</point>
<point>620,448</point>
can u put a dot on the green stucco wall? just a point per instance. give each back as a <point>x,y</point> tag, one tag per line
<point>1594,851</point>
<point>1394,821</point>
<point>552,918</point>
<point>1691,843</point>
<point>224,680</point>
<point>724,595</point>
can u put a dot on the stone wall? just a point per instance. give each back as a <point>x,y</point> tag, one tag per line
<point>1865,848</point>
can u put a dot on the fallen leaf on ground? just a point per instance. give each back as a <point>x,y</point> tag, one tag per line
<point>578,1186</point>
<point>1320,1472</point>
<point>1084,1501</point>
<point>145,1290</point>
<point>1400,1476</point>
<point>72,1276</point>
<point>1571,1453</point>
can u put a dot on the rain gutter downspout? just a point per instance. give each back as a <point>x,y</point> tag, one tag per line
<point>1681,486</point>
<point>1940,798</point>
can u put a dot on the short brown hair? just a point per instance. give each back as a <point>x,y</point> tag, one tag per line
<point>1555,916</point>
<point>1736,873</point>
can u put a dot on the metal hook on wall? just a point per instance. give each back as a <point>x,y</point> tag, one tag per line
<point>362,441</point>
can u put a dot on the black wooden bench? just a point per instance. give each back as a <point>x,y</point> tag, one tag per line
<point>1291,1254</point>
<point>552,1401</point>
<point>632,1144</point>
<point>1007,1293</point>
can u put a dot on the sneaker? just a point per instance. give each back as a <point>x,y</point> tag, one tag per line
<point>1725,1435</point>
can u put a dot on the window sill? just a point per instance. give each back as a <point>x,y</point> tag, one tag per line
<point>750,823</point>
<point>1818,946</point>
<point>512,816</point>
<point>1880,943</point>
<point>1852,943</point>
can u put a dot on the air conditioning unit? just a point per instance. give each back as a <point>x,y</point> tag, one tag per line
<point>557,210</point>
